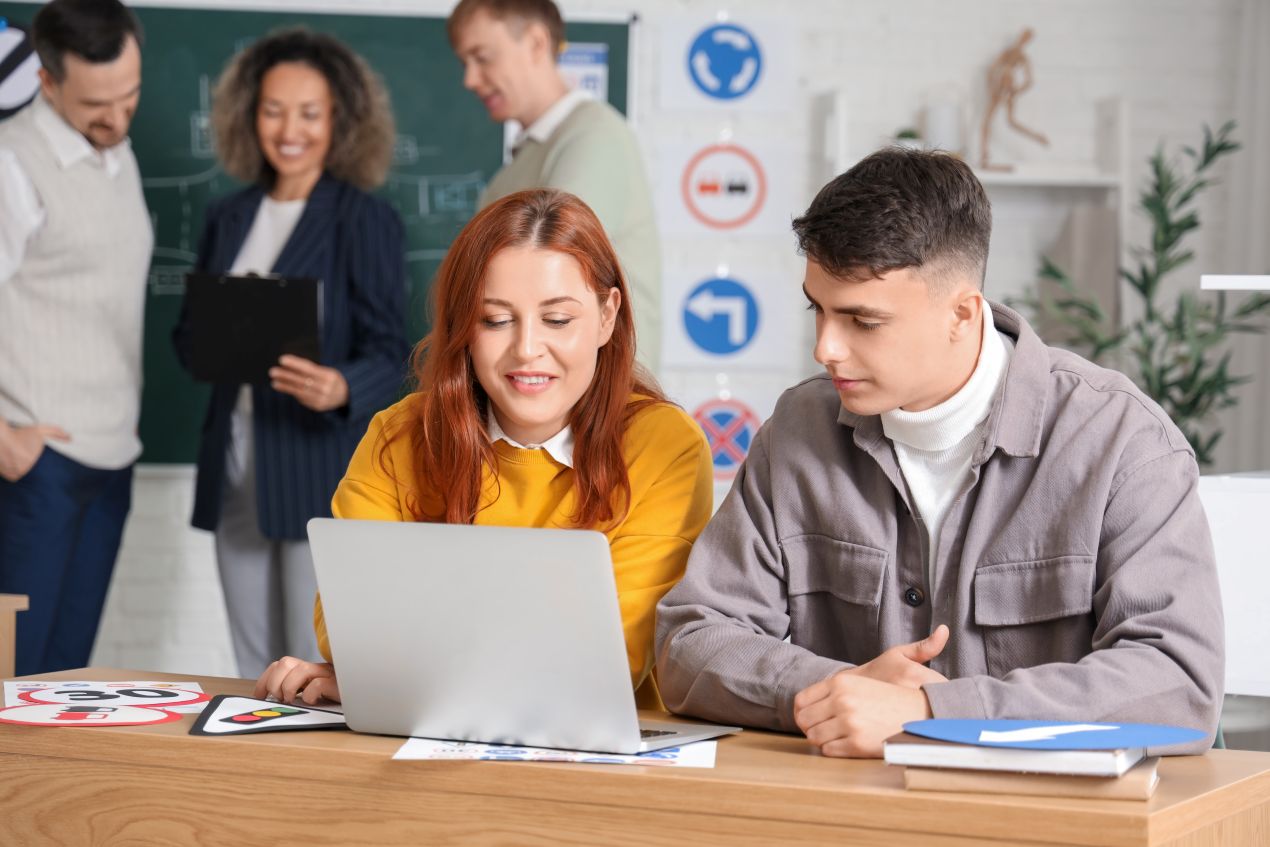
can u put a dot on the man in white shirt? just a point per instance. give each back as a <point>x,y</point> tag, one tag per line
<point>569,141</point>
<point>75,243</point>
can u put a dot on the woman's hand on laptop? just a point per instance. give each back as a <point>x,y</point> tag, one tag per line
<point>289,677</point>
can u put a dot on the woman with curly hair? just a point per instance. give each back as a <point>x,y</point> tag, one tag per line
<point>307,123</point>
<point>531,411</point>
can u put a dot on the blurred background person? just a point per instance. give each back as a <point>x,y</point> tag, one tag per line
<point>75,242</point>
<point>509,50</point>
<point>306,121</point>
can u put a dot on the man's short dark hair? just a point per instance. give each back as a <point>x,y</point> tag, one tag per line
<point>899,208</point>
<point>94,30</point>
<point>514,13</point>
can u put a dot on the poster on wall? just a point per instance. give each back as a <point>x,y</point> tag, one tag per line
<point>585,68</point>
<point>19,68</point>
<point>730,407</point>
<point>729,426</point>
<point>727,63</point>
<point>733,317</point>
<point>729,187</point>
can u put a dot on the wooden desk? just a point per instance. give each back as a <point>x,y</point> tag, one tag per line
<point>10,605</point>
<point>159,785</point>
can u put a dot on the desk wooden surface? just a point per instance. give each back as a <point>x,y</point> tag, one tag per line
<point>160,785</point>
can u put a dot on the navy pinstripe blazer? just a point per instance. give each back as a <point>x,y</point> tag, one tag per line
<point>353,242</point>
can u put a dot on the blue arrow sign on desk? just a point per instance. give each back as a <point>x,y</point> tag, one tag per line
<point>1052,735</point>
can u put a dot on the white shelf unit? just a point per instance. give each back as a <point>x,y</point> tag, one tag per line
<point>1033,200</point>
<point>1043,195</point>
<point>1048,177</point>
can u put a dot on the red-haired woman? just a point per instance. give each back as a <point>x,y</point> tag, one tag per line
<point>531,411</point>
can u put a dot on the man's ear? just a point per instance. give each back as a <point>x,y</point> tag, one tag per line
<point>48,85</point>
<point>967,313</point>
<point>541,47</point>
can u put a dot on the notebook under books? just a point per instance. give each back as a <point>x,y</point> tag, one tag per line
<point>504,635</point>
<point>1137,783</point>
<point>914,750</point>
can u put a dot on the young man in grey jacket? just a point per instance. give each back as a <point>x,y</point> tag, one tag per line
<point>954,520</point>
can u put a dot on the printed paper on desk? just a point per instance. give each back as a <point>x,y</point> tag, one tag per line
<point>698,755</point>
<point>182,697</point>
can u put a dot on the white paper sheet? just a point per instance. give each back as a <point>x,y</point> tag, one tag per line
<point>698,755</point>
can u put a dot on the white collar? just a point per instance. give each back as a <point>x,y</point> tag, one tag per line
<point>68,145</point>
<point>558,446</point>
<point>942,427</point>
<point>546,125</point>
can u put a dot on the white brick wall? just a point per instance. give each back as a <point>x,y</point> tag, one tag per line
<point>165,611</point>
<point>1171,59</point>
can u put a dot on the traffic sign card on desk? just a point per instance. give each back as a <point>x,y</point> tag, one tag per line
<point>228,714</point>
<point>181,697</point>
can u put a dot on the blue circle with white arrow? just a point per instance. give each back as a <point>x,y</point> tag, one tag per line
<point>1052,735</point>
<point>725,61</point>
<point>721,316</point>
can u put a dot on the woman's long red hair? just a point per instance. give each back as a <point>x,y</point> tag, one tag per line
<point>447,433</point>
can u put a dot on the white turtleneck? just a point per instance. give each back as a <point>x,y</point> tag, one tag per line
<point>935,446</point>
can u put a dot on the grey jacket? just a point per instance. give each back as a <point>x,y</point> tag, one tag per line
<point>1075,570</point>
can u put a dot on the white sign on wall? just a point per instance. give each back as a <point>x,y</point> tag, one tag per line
<point>585,68</point>
<point>738,317</point>
<point>727,187</point>
<point>727,64</point>
<point>730,407</point>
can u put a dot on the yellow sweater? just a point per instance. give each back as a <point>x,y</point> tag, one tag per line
<point>668,462</point>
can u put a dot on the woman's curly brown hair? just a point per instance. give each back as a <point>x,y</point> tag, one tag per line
<point>362,130</point>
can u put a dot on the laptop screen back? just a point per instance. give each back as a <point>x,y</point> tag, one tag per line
<point>494,634</point>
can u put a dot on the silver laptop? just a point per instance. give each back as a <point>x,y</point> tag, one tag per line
<point>503,635</point>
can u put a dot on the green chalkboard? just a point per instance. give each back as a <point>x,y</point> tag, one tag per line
<point>447,148</point>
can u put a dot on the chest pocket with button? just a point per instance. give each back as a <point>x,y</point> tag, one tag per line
<point>835,591</point>
<point>1035,612</point>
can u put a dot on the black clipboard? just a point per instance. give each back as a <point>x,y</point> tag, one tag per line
<point>240,325</point>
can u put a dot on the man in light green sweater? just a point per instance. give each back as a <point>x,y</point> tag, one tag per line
<point>583,146</point>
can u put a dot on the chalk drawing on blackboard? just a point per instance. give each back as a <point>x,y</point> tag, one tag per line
<point>201,146</point>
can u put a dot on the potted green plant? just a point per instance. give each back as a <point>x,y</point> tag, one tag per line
<point>908,137</point>
<point>1178,352</point>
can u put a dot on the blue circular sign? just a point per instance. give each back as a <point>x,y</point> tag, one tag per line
<point>725,61</point>
<point>730,428</point>
<point>721,316</point>
<point>1052,735</point>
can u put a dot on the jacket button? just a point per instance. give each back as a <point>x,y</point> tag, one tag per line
<point>914,596</point>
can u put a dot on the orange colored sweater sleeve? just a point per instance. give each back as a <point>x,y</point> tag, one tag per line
<point>671,498</point>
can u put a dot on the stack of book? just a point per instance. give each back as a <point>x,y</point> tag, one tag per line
<point>1050,759</point>
<point>1123,774</point>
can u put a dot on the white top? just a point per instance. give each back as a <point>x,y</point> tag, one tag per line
<point>275,221</point>
<point>542,129</point>
<point>935,446</point>
<point>21,212</point>
<point>558,446</point>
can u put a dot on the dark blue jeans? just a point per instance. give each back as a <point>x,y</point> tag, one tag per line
<point>60,527</point>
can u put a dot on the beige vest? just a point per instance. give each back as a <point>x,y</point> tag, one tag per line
<point>71,317</point>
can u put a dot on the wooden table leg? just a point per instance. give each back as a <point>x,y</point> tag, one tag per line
<point>10,605</point>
